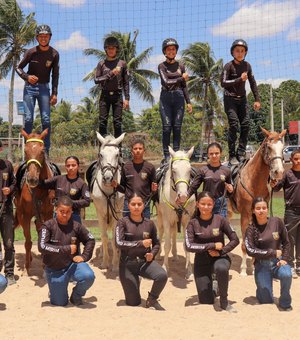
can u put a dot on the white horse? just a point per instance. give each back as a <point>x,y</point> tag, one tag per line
<point>170,216</point>
<point>108,202</point>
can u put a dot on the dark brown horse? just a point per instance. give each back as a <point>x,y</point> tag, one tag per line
<point>252,180</point>
<point>31,200</point>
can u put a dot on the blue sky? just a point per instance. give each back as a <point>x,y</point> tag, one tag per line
<point>271,28</point>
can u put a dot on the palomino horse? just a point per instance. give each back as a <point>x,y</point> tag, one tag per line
<point>108,202</point>
<point>30,199</point>
<point>253,178</point>
<point>170,216</point>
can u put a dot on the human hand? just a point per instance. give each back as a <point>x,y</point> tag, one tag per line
<point>213,253</point>
<point>6,191</point>
<point>147,242</point>
<point>149,257</point>
<point>185,76</point>
<point>256,106</point>
<point>229,187</point>
<point>114,183</point>
<point>78,259</point>
<point>116,70</point>
<point>244,76</point>
<point>53,99</point>
<point>32,79</point>
<point>125,104</point>
<point>281,263</point>
<point>278,253</point>
<point>189,108</point>
<point>218,245</point>
<point>154,186</point>
<point>73,248</point>
<point>273,183</point>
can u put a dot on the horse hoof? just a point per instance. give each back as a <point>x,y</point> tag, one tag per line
<point>115,270</point>
<point>189,276</point>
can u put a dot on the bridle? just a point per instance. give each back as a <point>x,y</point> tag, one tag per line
<point>108,167</point>
<point>179,180</point>
<point>265,155</point>
<point>33,160</point>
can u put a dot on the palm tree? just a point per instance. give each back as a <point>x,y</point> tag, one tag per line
<point>139,78</point>
<point>204,84</point>
<point>16,31</point>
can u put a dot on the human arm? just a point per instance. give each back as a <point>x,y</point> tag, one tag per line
<point>55,77</point>
<point>125,78</point>
<point>100,77</point>
<point>190,242</point>
<point>232,236</point>
<point>120,238</point>
<point>85,199</point>
<point>20,68</point>
<point>88,241</point>
<point>226,75</point>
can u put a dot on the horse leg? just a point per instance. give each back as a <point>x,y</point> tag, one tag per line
<point>28,246</point>
<point>174,244</point>
<point>104,238</point>
<point>188,265</point>
<point>160,232</point>
<point>244,224</point>
<point>116,253</point>
<point>167,246</point>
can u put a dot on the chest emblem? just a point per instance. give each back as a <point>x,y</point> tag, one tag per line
<point>146,235</point>
<point>275,235</point>
<point>48,63</point>
<point>216,231</point>
<point>73,191</point>
<point>144,175</point>
<point>5,176</point>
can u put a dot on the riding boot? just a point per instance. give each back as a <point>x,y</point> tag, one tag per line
<point>152,302</point>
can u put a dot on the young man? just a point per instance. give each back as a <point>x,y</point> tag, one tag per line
<point>112,77</point>
<point>291,187</point>
<point>234,77</point>
<point>137,177</point>
<point>8,187</point>
<point>59,240</point>
<point>42,60</point>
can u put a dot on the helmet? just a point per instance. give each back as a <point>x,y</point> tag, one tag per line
<point>239,42</point>
<point>169,42</point>
<point>43,29</point>
<point>111,41</point>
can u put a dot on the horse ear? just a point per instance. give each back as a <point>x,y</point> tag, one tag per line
<point>24,134</point>
<point>282,133</point>
<point>100,138</point>
<point>44,134</point>
<point>119,139</point>
<point>172,152</point>
<point>266,132</point>
<point>190,152</point>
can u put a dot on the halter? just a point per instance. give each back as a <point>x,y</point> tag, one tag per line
<point>33,160</point>
<point>108,167</point>
<point>34,140</point>
<point>268,160</point>
<point>180,180</point>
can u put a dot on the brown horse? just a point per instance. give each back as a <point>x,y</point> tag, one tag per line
<point>253,178</point>
<point>30,199</point>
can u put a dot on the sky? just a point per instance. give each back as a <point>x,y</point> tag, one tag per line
<point>270,27</point>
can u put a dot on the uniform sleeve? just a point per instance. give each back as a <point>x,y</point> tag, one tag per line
<point>232,236</point>
<point>280,184</point>
<point>252,249</point>
<point>85,199</point>
<point>55,74</point>
<point>165,80</point>
<point>126,81</point>
<point>121,187</point>
<point>49,183</point>
<point>101,78</point>
<point>195,183</point>
<point>88,241</point>
<point>191,245</point>
<point>253,84</point>
<point>12,184</point>
<point>155,240</point>
<point>121,243</point>
<point>47,248</point>
<point>285,241</point>
<point>22,64</point>
<point>225,81</point>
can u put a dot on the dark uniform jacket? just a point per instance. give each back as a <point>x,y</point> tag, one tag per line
<point>232,81</point>
<point>55,243</point>
<point>262,241</point>
<point>201,236</point>
<point>76,189</point>
<point>211,177</point>
<point>130,236</point>
<point>171,78</point>
<point>7,179</point>
<point>110,82</point>
<point>40,65</point>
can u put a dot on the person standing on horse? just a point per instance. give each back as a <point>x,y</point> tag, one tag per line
<point>113,79</point>
<point>8,188</point>
<point>137,176</point>
<point>174,92</point>
<point>42,60</point>
<point>216,179</point>
<point>267,242</point>
<point>291,187</point>
<point>233,80</point>
<point>204,236</point>
<point>59,241</point>
<point>70,185</point>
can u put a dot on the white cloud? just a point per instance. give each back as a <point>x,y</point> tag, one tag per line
<point>84,61</point>
<point>19,83</point>
<point>275,82</point>
<point>26,4</point>
<point>260,19</point>
<point>265,62</point>
<point>75,41</point>
<point>153,62</point>
<point>294,34</point>
<point>80,91</point>
<point>68,3</point>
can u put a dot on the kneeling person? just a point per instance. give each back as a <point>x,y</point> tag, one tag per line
<point>59,240</point>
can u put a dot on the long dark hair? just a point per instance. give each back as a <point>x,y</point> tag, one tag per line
<point>198,198</point>
<point>216,145</point>
<point>256,200</point>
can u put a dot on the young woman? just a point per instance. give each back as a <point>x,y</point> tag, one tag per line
<point>216,179</point>
<point>173,93</point>
<point>205,237</point>
<point>136,236</point>
<point>70,185</point>
<point>267,241</point>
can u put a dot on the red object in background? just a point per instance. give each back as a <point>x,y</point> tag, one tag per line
<point>294,127</point>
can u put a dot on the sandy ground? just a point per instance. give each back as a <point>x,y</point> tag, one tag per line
<point>25,312</point>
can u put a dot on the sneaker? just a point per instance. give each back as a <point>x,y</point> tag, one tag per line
<point>10,279</point>
<point>151,302</point>
<point>233,161</point>
<point>298,271</point>
<point>294,274</point>
<point>76,301</point>
<point>230,309</point>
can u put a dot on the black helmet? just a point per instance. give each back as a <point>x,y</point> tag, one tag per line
<point>111,41</point>
<point>43,29</point>
<point>169,42</point>
<point>239,42</point>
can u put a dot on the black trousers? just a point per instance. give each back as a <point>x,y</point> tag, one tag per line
<point>129,272</point>
<point>115,102</point>
<point>237,113</point>
<point>291,218</point>
<point>204,266</point>
<point>8,236</point>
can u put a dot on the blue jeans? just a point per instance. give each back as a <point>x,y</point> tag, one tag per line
<point>40,93</point>
<point>3,283</point>
<point>171,109</point>
<point>146,211</point>
<point>265,271</point>
<point>58,281</point>
<point>217,206</point>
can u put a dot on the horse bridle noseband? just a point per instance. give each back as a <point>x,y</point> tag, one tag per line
<point>180,180</point>
<point>33,160</point>
<point>108,167</point>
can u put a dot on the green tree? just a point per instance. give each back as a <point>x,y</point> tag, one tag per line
<point>16,31</point>
<point>139,79</point>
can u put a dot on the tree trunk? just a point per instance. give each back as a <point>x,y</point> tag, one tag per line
<point>11,109</point>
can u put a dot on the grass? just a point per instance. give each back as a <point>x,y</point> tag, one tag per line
<point>278,210</point>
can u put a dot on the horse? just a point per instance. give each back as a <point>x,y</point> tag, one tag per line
<point>108,202</point>
<point>170,216</point>
<point>252,181</point>
<point>31,200</point>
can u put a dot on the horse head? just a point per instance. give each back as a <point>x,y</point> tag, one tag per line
<point>109,157</point>
<point>180,168</point>
<point>34,156</point>
<point>271,149</point>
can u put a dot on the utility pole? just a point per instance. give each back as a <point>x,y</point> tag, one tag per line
<point>271,109</point>
<point>282,120</point>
